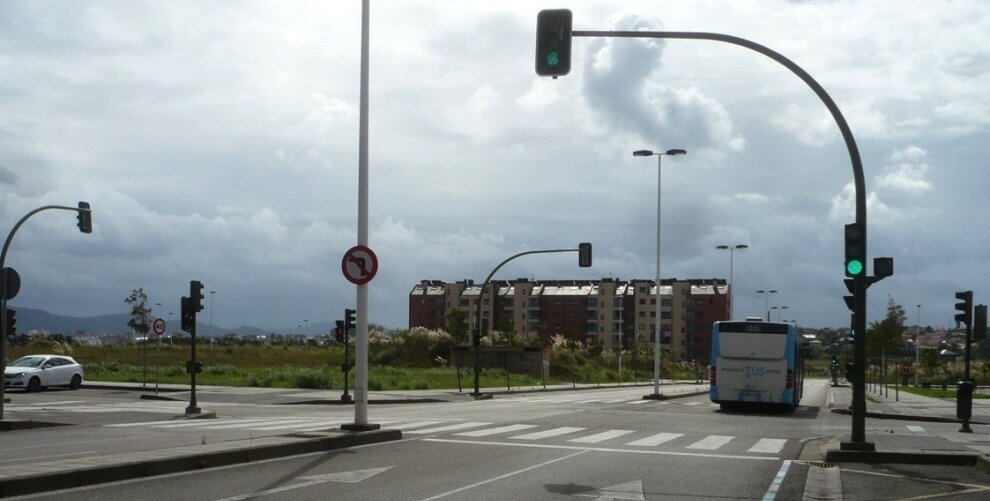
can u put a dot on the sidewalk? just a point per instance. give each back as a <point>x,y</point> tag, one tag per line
<point>938,443</point>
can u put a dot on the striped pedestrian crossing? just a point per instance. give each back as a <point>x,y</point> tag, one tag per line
<point>507,432</point>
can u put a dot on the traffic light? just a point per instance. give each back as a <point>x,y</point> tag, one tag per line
<point>553,42</point>
<point>11,322</point>
<point>883,267</point>
<point>188,315</point>
<point>196,294</point>
<point>339,331</point>
<point>850,373</point>
<point>855,250</point>
<point>85,218</point>
<point>850,302</point>
<point>965,308</point>
<point>584,254</point>
<point>349,321</point>
<point>850,299</point>
<point>979,323</point>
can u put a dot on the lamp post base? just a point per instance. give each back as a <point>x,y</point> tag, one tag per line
<point>858,446</point>
<point>655,396</point>
<point>346,398</point>
<point>360,427</point>
<point>482,396</point>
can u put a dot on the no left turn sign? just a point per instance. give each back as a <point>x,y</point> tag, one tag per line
<point>360,264</point>
<point>159,326</point>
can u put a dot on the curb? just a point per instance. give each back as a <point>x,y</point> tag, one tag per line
<point>27,424</point>
<point>907,417</point>
<point>31,484</point>
<point>604,387</point>
<point>370,402</point>
<point>838,456</point>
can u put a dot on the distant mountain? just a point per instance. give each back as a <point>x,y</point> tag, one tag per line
<point>29,319</point>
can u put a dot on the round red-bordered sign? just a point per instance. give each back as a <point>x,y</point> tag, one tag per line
<point>360,265</point>
<point>159,326</point>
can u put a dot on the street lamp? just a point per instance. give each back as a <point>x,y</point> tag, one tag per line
<point>917,352</point>
<point>211,313</point>
<point>780,312</point>
<point>731,249</point>
<point>657,331</point>
<point>766,300</point>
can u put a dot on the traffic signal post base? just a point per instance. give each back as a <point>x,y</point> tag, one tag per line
<point>655,396</point>
<point>858,446</point>
<point>360,427</point>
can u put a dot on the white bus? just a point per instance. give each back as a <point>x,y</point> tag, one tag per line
<point>756,362</point>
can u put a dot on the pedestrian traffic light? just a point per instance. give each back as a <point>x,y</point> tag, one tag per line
<point>339,331</point>
<point>350,321</point>
<point>584,254</point>
<point>196,294</point>
<point>979,323</point>
<point>188,315</point>
<point>553,42</point>
<point>855,250</point>
<point>850,302</point>
<point>883,267</point>
<point>965,308</point>
<point>11,322</point>
<point>85,218</point>
<point>850,372</point>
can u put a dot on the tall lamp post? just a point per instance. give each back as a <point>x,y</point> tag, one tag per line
<point>732,301</point>
<point>212,334</point>
<point>917,352</point>
<point>780,312</point>
<point>766,300</point>
<point>657,331</point>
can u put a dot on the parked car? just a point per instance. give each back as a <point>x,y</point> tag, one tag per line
<point>34,372</point>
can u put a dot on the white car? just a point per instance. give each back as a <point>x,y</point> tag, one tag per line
<point>35,372</point>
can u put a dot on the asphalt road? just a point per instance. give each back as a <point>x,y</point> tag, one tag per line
<point>592,444</point>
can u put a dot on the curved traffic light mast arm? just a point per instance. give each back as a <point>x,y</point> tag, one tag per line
<point>476,342</point>
<point>3,284</point>
<point>858,435</point>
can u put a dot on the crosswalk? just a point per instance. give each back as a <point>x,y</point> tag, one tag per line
<point>519,433</point>
<point>149,406</point>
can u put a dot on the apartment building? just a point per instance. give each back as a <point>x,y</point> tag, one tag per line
<point>610,310</point>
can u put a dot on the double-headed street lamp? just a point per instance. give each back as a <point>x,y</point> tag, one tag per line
<point>657,333</point>
<point>732,290</point>
<point>766,300</point>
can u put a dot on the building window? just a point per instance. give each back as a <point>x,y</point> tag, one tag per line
<point>617,327</point>
<point>464,302</point>
<point>570,301</point>
<point>534,302</point>
<point>642,313</point>
<point>642,290</point>
<point>617,302</point>
<point>653,314</point>
<point>665,302</point>
<point>665,315</point>
<point>592,302</point>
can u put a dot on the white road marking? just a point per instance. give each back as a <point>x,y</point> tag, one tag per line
<point>603,449</point>
<point>916,429</point>
<point>614,401</point>
<point>640,401</point>
<point>586,401</point>
<point>309,423</point>
<point>771,493</point>
<point>495,431</point>
<point>459,426</point>
<point>564,430</point>
<point>500,477</point>
<point>711,442</point>
<point>600,437</point>
<point>418,424</point>
<point>655,440</point>
<point>693,403</point>
<point>768,445</point>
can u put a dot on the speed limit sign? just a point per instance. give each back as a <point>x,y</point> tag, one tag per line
<point>159,326</point>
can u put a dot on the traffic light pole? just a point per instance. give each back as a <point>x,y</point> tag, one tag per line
<point>477,319</point>
<point>858,435</point>
<point>193,408</point>
<point>3,285</point>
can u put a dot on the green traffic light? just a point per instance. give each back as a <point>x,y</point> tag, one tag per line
<point>854,267</point>
<point>553,59</point>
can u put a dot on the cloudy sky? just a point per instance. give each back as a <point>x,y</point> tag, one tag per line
<point>218,141</point>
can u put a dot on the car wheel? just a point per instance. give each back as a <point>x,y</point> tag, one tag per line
<point>76,382</point>
<point>34,384</point>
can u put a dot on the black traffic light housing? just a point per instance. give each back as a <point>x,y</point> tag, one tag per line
<point>883,267</point>
<point>850,372</point>
<point>584,255</point>
<point>350,321</point>
<point>339,331</point>
<point>965,308</point>
<point>196,295</point>
<point>11,322</point>
<point>850,299</point>
<point>84,218</point>
<point>855,250</point>
<point>188,315</point>
<point>979,323</point>
<point>553,42</point>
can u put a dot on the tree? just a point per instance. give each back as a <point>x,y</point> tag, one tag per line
<point>138,301</point>
<point>457,325</point>
<point>505,325</point>
<point>886,335</point>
